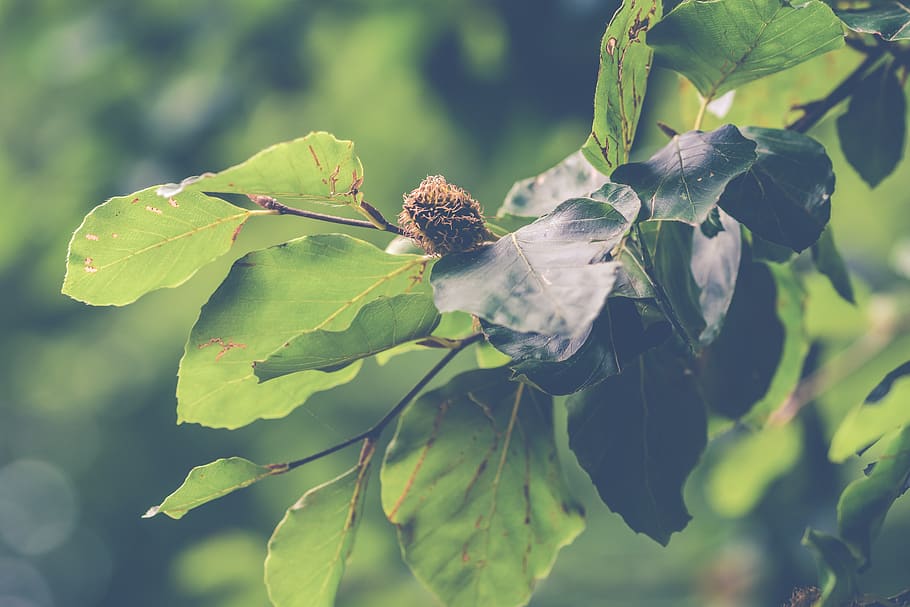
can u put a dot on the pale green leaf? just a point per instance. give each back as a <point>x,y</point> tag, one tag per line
<point>473,483</point>
<point>318,282</point>
<point>573,177</point>
<point>134,244</point>
<point>211,481</point>
<point>310,546</point>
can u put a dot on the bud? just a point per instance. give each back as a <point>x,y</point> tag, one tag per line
<point>442,218</point>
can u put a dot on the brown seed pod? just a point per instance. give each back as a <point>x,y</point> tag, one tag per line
<point>442,218</point>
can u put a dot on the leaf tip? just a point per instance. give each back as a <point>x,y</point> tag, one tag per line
<point>152,512</point>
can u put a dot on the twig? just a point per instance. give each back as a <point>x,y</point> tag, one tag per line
<point>373,433</point>
<point>269,203</point>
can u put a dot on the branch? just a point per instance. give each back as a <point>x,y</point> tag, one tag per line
<point>372,434</point>
<point>378,221</point>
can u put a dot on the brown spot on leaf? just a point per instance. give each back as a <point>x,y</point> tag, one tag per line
<point>152,209</point>
<point>236,233</point>
<point>226,346</point>
<point>173,202</point>
<point>611,46</point>
<point>638,26</point>
<point>115,235</point>
<point>91,237</point>
<point>465,557</point>
<point>89,265</point>
<point>134,200</point>
<point>315,157</point>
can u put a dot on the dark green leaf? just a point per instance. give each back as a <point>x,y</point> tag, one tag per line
<point>574,177</point>
<point>313,283</point>
<point>625,61</point>
<point>380,325</point>
<point>890,20</point>
<point>886,409</point>
<point>786,196</point>
<point>477,458</point>
<point>544,278</point>
<point>134,244</point>
<point>872,130</point>
<point>317,168</point>
<point>632,279</point>
<point>736,370</point>
<point>765,250</point>
<point>836,568</point>
<point>309,548</point>
<point>829,262</point>
<point>715,265</point>
<point>684,180</point>
<point>724,44</point>
<point>865,502</point>
<point>211,481</point>
<point>638,435</point>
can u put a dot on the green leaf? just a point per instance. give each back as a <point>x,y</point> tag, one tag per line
<point>873,129</point>
<point>309,548</point>
<point>684,179</point>
<point>889,20</point>
<point>625,61</point>
<point>736,370</point>
<point>270,297</point>
<point>573,177</point>
<point>380,325</point>
<point>785,197</point>
<point>632,280</point>
<point>836,568</point>
<point>211,481</point>
<point>724,44</point>
<point>316,168</point>
<point>886,409</point>
<point>452,325</point>
<point>715,265</point>
<point>545,277</point>
<point>746,470</point>
<point>134,244</point>
<point>829,262</point>
<point>638,435</point>
<point>477,459</point>
<point>865,502</point>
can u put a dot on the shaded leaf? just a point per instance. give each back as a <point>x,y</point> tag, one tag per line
<point>622,79</point>
<point>211,481</point>
<point>722,45</point>
<point>829,262</point>
<point>317,168</point>
<point>638,435</point>
<point>873,129</point>
<point>318,282</point>
<point>736,370</point>
<point>573,177</point>
<point>684,179</point>
<point>886,409</point>
<point>632,279</point>
<point>865,502</point>
<point>543,278</point>
<point>380,325</point>
<point>785,197</point>
<point>765,250</point>
<point>715,265</point>
<point>309,547</point>
<point>836,568</point>
<point>890,20</point>
<point>746,470</point>
<point>134,244</point>
<point>478,458</point>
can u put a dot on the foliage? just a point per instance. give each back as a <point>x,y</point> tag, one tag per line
<point>660,295</point>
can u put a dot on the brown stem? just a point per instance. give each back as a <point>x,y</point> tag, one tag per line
<point>267,202</point>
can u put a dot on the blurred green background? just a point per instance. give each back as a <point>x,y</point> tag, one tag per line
<point>103,98</point>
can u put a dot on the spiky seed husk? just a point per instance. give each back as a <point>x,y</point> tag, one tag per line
<point>442,218</point>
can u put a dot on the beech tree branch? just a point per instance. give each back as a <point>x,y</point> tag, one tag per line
<point>378,222</point>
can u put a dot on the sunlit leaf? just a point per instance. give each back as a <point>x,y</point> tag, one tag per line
<point>573,177</point>
<point>829,262</point>
<point>685,179</point>
<point>271,296</point>
<point>836,568</point>
<point>638,435</point>
<point>380,325</point>
<point>873,129</point>
<point>865,502</point>
<point>625,61</point>
<point>211,481</point>
<point>310,546</point>
<point>886,409</point>
<point>317,167</point>
<point>546,277</point>
<point>724,44</point>
<point>134,244</point>
<point>890,20</point>
<point>785,197</point>
<point>477,459</point>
